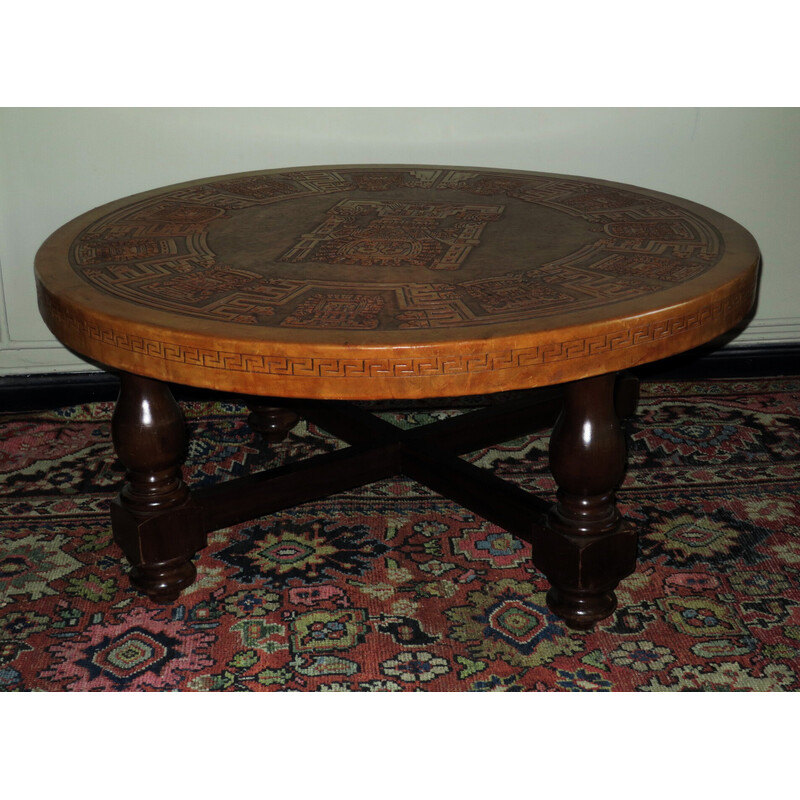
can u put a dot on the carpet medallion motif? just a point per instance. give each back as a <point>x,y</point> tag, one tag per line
<point>391,587</point>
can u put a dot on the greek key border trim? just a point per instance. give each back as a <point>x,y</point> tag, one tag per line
<point>517,358</point>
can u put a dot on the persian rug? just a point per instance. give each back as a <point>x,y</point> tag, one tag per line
<point>393,588</point>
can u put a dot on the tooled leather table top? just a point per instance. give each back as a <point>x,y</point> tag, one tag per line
<point>392,281</point>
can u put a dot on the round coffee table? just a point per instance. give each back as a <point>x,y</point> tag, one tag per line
<point>305,288</point>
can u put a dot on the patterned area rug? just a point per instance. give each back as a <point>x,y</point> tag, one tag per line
<point>392,588</point>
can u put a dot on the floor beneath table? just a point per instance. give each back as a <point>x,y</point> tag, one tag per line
<point>391,587</point>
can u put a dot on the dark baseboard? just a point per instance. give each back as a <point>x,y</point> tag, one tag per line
<point>780,360</point>
<point>40,392</point>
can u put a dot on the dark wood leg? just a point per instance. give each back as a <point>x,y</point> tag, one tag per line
<point>589,548</point>
<point>154,520</point>
<point>626,395</point>
<point>272,422</point>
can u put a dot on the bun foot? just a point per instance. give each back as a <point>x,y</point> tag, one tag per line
<point>271,422</point>
<point>163,583</point>
<point>581,610</point>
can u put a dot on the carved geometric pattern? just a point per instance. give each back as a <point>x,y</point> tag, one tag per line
<point>729,308</point>
<point>591,283</point>
<point>180,283</point>
<point>198,287</point>
<point>394,234</point>
<point>646,266</point>
<point>393,224</point>
<point>172,218</point>
<point>101,252</point>
<point>428,305</point>
<point>339,310</point>
<point>509,293</point>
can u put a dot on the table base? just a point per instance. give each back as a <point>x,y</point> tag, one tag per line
<point>580,543</point>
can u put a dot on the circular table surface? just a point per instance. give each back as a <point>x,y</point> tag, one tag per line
<point>376,282</point>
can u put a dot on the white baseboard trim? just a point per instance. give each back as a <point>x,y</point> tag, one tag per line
<point>770,331</point>
<point>40,358</point>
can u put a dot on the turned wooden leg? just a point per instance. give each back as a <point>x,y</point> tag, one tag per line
<point>589,548</point>
<point>154,520</point>
<point>272,422</point>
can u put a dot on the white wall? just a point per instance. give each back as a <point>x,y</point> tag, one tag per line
<point>56,163</point>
